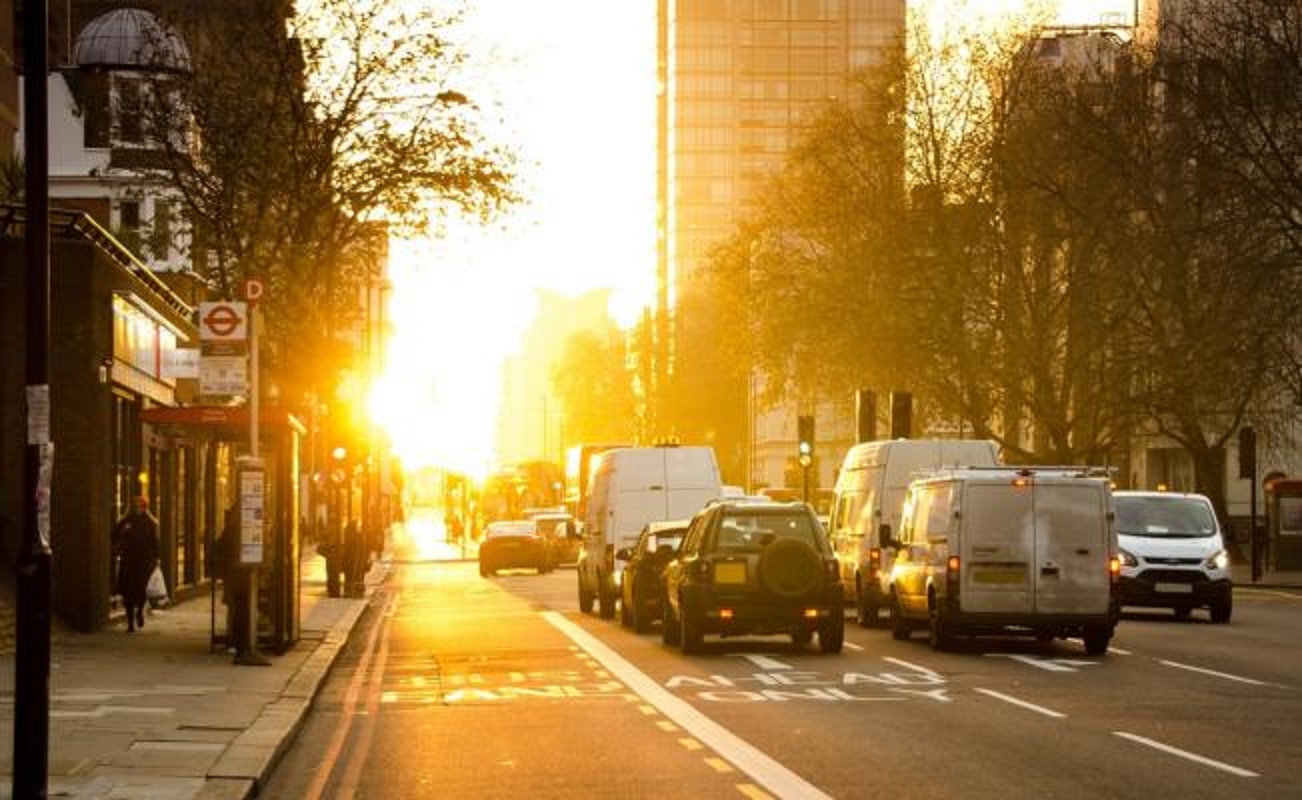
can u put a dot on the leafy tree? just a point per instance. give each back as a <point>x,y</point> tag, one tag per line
<point>595,388</point>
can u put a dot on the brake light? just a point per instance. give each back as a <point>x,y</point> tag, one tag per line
<point>874,560</point>
<point>1114,570</point>
<point>1021,483</point>
<point>725,613</point>
<point>811,613</point>
<point>952,576</point>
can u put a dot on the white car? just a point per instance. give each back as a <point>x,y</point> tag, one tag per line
<point>1172,554</point>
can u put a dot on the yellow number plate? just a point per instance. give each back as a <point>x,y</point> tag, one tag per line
<point>998,576</point>
<point>730,572</point>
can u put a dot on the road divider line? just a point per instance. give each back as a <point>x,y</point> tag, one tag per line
<point>1048,712</point>
<point>910,665</point>
<point>719,765</point>
<point>1227,676</point>
<point>1119,651</point>
<point>1175,751</point>
<point>753,792</point>
<point>765,662</point>
<point>763,769</point>
<point>852,646</point>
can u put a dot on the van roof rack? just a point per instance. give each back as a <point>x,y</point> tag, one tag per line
<point>1031,469</point>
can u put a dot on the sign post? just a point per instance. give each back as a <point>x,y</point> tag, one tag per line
<point>252,507</point>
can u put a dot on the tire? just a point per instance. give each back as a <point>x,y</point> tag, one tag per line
<point>901,628</point>
<point>942,634</point>
<point>1222,609</point>
<point>866,608</point>
<point>641,615</point>
<point>693,637</point>
<point>790,569</point>
<point>1096,640</point>
<point>801,636</point>
<point>625,614</point>
<point>1182,613</point>
<point>831,634</point>
<point>585,597</point>
<point>483,571</point>
<point>670,633</point>
<point>605,600</point>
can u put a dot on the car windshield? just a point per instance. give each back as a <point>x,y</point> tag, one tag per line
<point>498,529</point>
<point>656,541</point>
<point>1169,517</point>
<point>749,533</point>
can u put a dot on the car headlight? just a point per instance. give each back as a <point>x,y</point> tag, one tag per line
<point>1219,561</point>
<point>1127,558</point>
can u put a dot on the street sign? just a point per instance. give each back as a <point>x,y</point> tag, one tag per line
<point>225,321</point>
<point>252,511</point>
<point>181,362</point>
<point>253,290</point>
<point>223,375</point>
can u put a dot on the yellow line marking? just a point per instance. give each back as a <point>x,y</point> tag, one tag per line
<point>753,792</point>
<point>389,697</point>
<point>719,765</point>
<point>650,711</point>
<point>601,673</point>
<point>632,698</point>
<point>666,725</point>
<point>691,744</point>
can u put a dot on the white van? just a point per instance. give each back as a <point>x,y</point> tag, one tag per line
<point>1016,549</point>
<point>1172,554</point>
<point>868,502</point>
<point>629,488</point>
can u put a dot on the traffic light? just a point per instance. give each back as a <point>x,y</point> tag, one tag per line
<point>805,426</point>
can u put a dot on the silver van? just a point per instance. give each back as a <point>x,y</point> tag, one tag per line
<point>868,502</point>
<point>1014,550</point>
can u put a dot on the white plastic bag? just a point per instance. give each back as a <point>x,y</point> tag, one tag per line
<point>156,591</point>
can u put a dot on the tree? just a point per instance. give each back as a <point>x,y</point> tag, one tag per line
<point>314,137</point>
<point>595,388</point>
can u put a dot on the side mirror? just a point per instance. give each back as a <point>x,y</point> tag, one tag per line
<point>884,539</point>
<point>623,554</point>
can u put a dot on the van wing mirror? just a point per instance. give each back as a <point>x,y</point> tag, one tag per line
<point>623,554</point>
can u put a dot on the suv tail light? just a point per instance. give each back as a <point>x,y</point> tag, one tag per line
<point>952,576</point>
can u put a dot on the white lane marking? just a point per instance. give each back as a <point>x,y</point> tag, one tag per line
<point>910,665</point>
<point>1227,676</point>
<point>1048,712</point>
<point>853,646</point>
<point>1119,651</point>
<point>1047,664</point>
<point>1271,592</point>
<point>767,772</point>
<point>1175,751</point>
<point>764,662</point>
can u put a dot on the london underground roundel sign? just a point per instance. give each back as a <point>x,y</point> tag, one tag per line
<point>225,321</point>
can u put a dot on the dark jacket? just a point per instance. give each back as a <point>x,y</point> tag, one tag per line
<point>136,541</point>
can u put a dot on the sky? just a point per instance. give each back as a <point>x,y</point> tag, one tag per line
<point>568,86</point>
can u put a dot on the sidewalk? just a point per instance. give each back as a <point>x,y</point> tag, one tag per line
<point>155,715</point>
<point>1270,579</point>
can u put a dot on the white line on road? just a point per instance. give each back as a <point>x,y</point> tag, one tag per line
<point>1227,676</point>
<point>853,646</point>
<point>774,777</point>
<point>764,662</point>
<point>1175,751</point>
<point>1119,651</point>
<point>1048,712</point>
<point>910,665</point>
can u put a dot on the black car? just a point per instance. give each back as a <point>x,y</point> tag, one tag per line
<point>513,544</point>
<point>751,568</point>
<point>642,586</point>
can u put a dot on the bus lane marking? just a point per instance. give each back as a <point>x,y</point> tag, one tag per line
<point>795,684</point>
<point>763,769</point>
<point>1048,712</point>
<point>1204,671</point>
<point>1047,664</point>
<point>1185,754</point>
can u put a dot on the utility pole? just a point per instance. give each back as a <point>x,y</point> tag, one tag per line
<point>32,660</point>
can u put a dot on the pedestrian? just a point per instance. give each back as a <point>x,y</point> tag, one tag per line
<point>234,585</point>
<point>332,550</point>
<point>135,539</point>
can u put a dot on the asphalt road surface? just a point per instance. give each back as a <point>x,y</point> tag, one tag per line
<point>458,686</point>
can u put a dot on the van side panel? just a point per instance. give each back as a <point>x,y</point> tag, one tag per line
<point>632,510</point>
<point>997,549</point>
<point>1072,548</point>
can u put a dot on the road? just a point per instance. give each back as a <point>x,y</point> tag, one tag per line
<point>459,686</point>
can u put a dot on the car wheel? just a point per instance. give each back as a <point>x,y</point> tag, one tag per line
<point>867,608</point>
<point>831,634</point>
<point>605,600</point>
<point>942,634</point>
<point>625,613</point>
<point>801,636</point>
<point>585,596</point>
<point>641,614</point>
<point>1222,609</point>
<point>1182,613</point>
<point>692,637</point>
<point>1096,639</point>
<point>669,630</point>
<point>901,628</point>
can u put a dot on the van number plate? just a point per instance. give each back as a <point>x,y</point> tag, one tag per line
<point>1001,576</point>
<point>1174,588</point>
<point>730,572</point>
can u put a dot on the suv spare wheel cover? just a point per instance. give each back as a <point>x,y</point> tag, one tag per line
<point>789,568</point>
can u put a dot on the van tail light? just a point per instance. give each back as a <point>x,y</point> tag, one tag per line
<point>952,575</point>
<point>874,560</point>
<point>1114,571</point>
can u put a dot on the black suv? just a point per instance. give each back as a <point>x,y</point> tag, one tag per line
<point>754,568</point>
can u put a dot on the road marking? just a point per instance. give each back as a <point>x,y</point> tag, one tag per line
<point>1227,676</point>
<point>910,665</point>
<point>1119,651</point>
<point>753,792</point>
<point>764,662</point>
<point>853,646</point>
<point>1047,664</point>
<point>1175,751</point>
<point>646,709</point>
<point>667,726</point>
<point>764,770</point>
<point>1048,712</point>
<point>691,744</point>
<point>719,765</point>
<point>1271,592</point>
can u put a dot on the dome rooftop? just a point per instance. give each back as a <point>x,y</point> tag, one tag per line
<point>130,38</point>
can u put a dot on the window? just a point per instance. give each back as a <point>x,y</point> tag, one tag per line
<point>160,232</point>
<point>129,112</point>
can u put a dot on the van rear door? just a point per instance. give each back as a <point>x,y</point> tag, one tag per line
<point>1071,540</point>
<point>997,547</point>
